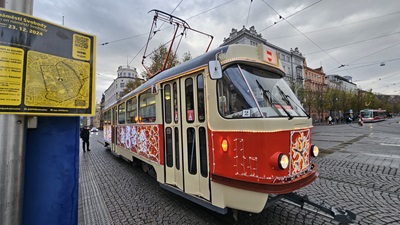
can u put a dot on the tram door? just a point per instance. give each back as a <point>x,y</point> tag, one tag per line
<point>186,157</point>
<point>194,138</point>
<point>172,134</point>
<point>114,129</point>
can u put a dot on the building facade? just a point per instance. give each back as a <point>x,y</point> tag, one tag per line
<point>315,89</point>
<point>341,83</point>
<point>114,92</point>
<point>291,61</point>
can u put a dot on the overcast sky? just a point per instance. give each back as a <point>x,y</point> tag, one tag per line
<point>359,34</point>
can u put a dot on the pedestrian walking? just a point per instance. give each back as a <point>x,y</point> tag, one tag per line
<point>85,138</point>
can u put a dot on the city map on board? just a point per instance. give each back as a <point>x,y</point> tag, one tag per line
<point>56,81</point>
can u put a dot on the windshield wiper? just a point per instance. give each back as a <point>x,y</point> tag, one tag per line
<point>264,91</point>
<point>305,112</point>
<point>288,100</point>
<point>271,98</point>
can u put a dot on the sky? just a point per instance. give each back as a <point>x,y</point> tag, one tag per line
<point>357,38</point>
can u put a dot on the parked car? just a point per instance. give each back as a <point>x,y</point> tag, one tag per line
<point>94,129</point>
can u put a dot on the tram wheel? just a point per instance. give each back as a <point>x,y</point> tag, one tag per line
<point>145,167</point>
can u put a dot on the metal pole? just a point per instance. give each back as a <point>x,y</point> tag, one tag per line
<point>12,149</point>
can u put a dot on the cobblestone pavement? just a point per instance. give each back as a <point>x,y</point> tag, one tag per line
<point>359,171</point>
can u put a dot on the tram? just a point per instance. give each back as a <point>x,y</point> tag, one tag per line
<point>373,115</point>
<point>223,129</point>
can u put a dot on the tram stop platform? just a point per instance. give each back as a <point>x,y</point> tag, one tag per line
<point>92,208</point>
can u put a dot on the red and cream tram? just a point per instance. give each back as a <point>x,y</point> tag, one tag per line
<point>373,115</point>
<point>223,129</point>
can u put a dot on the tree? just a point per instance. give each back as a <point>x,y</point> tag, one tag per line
<point>158,57</point>
<point>186,56</point>
<point>131,85</point>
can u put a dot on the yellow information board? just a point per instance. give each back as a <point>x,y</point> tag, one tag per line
<point>45,69</point>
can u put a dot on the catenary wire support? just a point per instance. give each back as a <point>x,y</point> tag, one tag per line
<point>179,24</point>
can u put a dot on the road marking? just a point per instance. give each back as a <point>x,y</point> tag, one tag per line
<point>389,144</point>
<point>381,155</point>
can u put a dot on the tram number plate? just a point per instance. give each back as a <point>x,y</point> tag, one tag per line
<point>246,113</point>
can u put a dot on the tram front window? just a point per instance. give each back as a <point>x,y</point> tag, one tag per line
<point>249,92</point>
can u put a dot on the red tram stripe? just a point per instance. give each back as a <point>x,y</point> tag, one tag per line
<point>283,187</point>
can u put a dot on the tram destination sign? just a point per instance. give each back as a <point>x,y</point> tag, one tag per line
<point>45,69</point>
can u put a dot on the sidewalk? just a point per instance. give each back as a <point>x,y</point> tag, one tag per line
<point>91,209</point>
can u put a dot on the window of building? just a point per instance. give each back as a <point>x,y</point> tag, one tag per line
<point>147,107</point>
<point>122,85</point>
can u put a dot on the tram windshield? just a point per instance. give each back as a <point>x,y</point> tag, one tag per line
<point>250,92</point>
<point>366,114</point>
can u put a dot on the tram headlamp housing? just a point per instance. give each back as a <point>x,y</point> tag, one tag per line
<point>314,151</point>
<point>224,145</point>
<point>279,161</point>
<point>283,161</point>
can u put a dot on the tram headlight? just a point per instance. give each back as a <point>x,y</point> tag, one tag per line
<point>224,145</point>
<point>314,151</point>
<point>283,161</point>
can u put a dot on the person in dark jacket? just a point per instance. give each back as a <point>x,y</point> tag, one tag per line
<point>85,138</point>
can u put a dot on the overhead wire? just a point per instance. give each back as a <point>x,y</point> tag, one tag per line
<point>391,75</point>
<point>324,50</point>
<point>209,10</point>
<point>357,42</point>
<point>189,19</point>
<point>334,27</point>
<point>139,35</point>
<point>343,65</point>
<point>248,13</point>
<point>281,17</point>
<point>154,34</point>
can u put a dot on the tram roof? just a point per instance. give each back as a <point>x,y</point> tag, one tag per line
<point>174,71</point>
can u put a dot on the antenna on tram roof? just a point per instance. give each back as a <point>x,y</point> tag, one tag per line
<point>179,24</point>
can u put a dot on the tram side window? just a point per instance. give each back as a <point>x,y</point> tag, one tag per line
<point>169,156</point>
<point>121,113</point>
<point>191,148</point>
<point>189,100</point>
<point>233,96</point>
<point>177,158</point>
<point>175,91</point>
<point>167,105</point>
<point>203,152</point>
<point>131,115</point>
<point>107,117</point>
<point>147,107</point>
<point>200,98</point>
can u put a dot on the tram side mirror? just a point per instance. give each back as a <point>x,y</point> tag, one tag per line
<point>215,70</point>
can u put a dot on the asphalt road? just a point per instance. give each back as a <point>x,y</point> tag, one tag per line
<point>359,171</point>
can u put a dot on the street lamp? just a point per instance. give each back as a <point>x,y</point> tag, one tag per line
<point>336,107</point>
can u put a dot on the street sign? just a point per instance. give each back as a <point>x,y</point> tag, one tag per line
<point>45,69</point>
